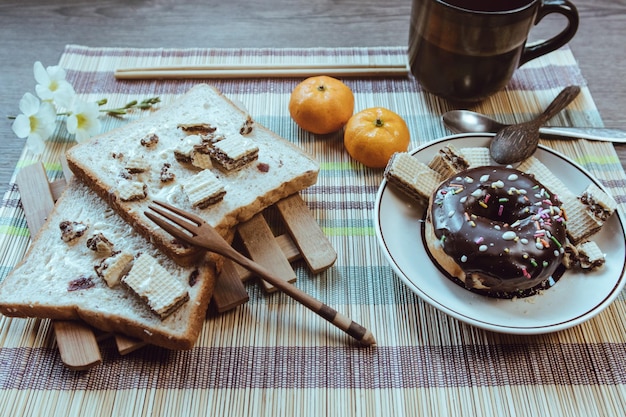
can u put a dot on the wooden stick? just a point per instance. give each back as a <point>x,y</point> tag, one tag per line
<point>36,196</point>
<point>259,241</point>
<point>229,290</point>
<point>126,344</point>
<point>287,246</point>
<point>315,248</point>
<point>77,345</point>
<point>261,71</point>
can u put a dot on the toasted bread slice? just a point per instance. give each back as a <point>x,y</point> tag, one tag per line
<point>64,277</point>
<point>108,164</point>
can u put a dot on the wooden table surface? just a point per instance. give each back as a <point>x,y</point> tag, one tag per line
<point>38,30</point>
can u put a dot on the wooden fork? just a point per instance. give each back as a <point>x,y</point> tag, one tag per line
<point>194,230</point>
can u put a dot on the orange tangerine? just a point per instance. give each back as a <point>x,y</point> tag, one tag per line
<point>321,104</point>
<point>373,135</point>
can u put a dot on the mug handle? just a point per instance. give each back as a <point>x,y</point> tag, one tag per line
<point>563,7</point>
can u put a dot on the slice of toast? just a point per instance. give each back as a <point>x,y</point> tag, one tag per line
<point>65,276</point>
<point>129,175</point>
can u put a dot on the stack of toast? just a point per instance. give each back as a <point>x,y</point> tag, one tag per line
<point>99,259</point>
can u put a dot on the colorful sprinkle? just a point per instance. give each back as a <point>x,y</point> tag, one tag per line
<point>509,235</point>
<point>497,184</point>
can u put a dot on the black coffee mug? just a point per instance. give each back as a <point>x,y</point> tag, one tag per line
<point>467,50</point>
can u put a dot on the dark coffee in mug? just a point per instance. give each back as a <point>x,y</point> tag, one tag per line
<point>467,50</point>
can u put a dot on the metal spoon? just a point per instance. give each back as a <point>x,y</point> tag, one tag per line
<point>467,121</point>
<point>517,142</point>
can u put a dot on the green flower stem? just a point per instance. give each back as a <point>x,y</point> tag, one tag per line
<point>143,105</point>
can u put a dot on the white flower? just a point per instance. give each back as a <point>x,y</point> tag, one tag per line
<point>83,120</point>
<point>52,85</point>
<point>37,122</point>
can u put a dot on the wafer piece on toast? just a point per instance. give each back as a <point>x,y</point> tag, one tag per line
<point>112,268</point>
<point>162,292</point>
<point>204,189</point>
<point>412,177</point>
<point>234,152</point>
<point>448,161</point>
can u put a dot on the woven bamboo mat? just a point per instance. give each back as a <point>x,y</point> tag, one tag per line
<point>273,357</point>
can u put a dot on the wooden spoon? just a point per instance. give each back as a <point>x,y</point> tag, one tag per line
<point>517,142</point>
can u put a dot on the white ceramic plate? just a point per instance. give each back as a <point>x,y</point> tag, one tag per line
<point>575,298</point>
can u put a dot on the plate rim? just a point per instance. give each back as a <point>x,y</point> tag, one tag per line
<point>523,330</point>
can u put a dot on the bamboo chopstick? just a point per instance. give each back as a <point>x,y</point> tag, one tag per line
<point>260,71</point>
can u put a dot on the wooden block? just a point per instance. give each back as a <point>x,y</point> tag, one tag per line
<point>67,172</point>
<point>286,245</point>
<point>77,345</point>
<point>313,245</point>
<point>229,291</point>
<point>126,345</point>
<point>259,241</point>
<point>37,200</point>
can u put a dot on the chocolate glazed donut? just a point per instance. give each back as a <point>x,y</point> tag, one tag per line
<point>496,231</point>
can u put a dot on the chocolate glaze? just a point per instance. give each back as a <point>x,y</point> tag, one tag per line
<point>501,226</point>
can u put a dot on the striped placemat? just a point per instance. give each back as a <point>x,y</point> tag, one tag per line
<point>273,357</point>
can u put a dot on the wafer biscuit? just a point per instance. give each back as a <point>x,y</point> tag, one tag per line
<point>137,164</point>
<point>234,152</point>
<point>155,286</point>
<point>587,212</point>
<point>448,161</point>
<point>589,255</point>
<point>411,176</point>
<point>114,267</point>
<point>476,157</point>
<point>204,189</point>
<point>128,190</point>
<point>544,175</point>
<point>600,204</point>
<point>201,160</point>
<point>586,255</point>
<point>185,149</point>
<point>579,223</point>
